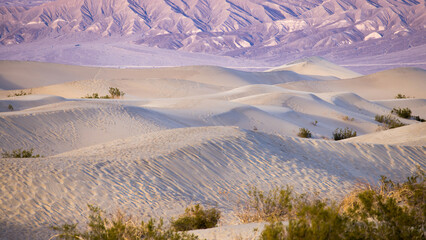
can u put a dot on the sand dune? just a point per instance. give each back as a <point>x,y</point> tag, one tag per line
<point>377,86</point>
<point>411,135</point>
<point>160,173</point>
<point>319,68</point>
<point>193,135</point>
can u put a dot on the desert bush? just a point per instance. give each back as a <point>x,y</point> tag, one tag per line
<point>115,92</point>
<point>20,153</point>
<point>417,118</point>
<point>346,118</point>
<point>314,123</point>
<point>275,205</point>
<point>119,226</point>
<point>389,121</point>
<point>10,107</point>
<point>401,96</point>
<point>195,217</point>
<point>388,210</point>
<point>304,133</point>
<point>343,133</point>
<point>96,96</point>
<point>402,112</point>
<point>20,93</point>
<point>273,231</point>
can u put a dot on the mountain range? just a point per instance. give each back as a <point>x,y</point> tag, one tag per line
<point>255,29</point>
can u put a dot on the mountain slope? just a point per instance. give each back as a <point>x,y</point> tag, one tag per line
<point>231,27</point>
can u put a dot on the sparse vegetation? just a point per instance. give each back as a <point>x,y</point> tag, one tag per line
<point>387,211</point>
<point>304,133</point>
<point>401,96</point>
<point>20,153</point>
<point>119,226</point>
<point>388,121</point>
<point>346,118</point>
<point>343,133</point>
<point>315,123</point>
<point>195,217</point>
<point>114,93</point>
<point>96,96</point>
<point>402,112</point>
<point>20,93</point>
<point>10,107</point>
<point>276,205</point>
<point>417,118</point>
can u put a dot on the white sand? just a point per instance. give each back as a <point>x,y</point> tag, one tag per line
<point>193,135</point>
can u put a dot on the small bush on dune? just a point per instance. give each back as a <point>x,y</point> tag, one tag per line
<point>115,92</point>
<point>402,112</point>
<point>10,107</point>
<point>401,96</point>
<point>20,93</point>
<point>341,133</point>
<point>196,217</point>
<point>304,133</point>
<point>275,205</point>
<point>119,226</point>
<point>20,153</point>
<point>388,121</point>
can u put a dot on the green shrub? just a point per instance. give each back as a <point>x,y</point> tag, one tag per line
<point>402,112</point>
<point>341,133</point>
<point>10,107</point>
<point>96,96</point>
<point>389,121</point>
<point>196,217</point>
<point>19,153</point>
<point>119,226</point>
<point>276,205</point>
<point>273,231</point>
<point>115,92</point>
<point>387,211</point>
<point>304,133</point>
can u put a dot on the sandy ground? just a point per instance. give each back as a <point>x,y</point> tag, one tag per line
<point>197,134</point>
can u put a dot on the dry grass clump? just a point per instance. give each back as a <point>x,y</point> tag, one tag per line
<point>195,217</point>
<point>119,226</point>
<point>113,93</point>
<point>275,205</point>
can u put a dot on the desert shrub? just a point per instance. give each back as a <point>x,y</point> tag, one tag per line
<point>388,210</point>
<point>417,118</point>
<point>304,133</point>
<point>119,226</point>
<point>195,217</point>
<point>273,231</point>
<point>115,92</point>
<point>343,133</point>
<point>10,107</point>
<point>275,205</point>
<point>20,153</point>
<point>314,123</point>
<point>401,96</point>
<point>402,112</point>
<point>20,93</point>
<point>389,121</point>
<point>346,118</point>
<point>96,96</point>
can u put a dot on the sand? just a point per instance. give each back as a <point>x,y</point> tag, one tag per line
<point>196,134</point>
